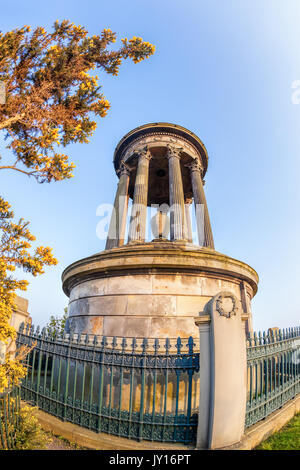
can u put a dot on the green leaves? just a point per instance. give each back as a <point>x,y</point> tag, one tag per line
<point>56,326</point>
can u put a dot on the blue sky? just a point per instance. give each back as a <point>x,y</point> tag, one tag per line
<point>225,71</point>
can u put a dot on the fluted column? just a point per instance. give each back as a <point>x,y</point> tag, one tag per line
<point>117,226</point>
<point>188,223</point>
<point>204,232</point>
<point>176,194</point>
<point>137,228</point>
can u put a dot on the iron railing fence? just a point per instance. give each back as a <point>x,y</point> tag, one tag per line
<point>273,362</point>
<point>9,417</point>
<point>136,388</point>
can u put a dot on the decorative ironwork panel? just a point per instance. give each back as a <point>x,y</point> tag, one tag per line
<point>9,417</point>
<point>273,368</point>
<point>139,388</point>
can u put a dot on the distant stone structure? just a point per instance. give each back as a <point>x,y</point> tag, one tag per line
<point>20,315</point>
<point>136,288</point>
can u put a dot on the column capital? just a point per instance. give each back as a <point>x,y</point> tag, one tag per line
<point>143,152</point>
<point>195,165</point>
<point>124,169</point>
<point>174,152</point>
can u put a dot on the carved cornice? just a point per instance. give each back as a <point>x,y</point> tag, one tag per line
<point>157,135</point>
<point>160,139</point>
<point>164,258</point>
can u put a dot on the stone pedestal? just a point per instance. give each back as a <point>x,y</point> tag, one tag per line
<point>151,289</point>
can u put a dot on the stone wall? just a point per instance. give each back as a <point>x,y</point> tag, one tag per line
<point>19,315</point>
<point>149,291</point>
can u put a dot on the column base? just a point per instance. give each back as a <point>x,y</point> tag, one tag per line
<point>135,242</point>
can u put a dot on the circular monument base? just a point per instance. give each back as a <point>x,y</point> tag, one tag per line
<point>152,290</point>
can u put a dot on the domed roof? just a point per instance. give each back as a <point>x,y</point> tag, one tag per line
<point>164,128</point>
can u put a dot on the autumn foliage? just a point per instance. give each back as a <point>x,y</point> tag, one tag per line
<point>15,252</point>
<point>53,94</point>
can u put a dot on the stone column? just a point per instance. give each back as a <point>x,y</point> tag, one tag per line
<point>188,224</point>
<point>223,373</point>
<point>137,228</point>
<point>176,194</point>
<point>204,232</point>
<point>117,226</point>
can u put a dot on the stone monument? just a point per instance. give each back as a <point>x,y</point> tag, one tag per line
<point>139,288</point>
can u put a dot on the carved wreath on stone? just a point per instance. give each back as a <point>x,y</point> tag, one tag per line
<point>220,308</point>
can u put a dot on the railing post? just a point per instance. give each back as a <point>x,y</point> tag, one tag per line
<point>223,373</point>
<point>203,322</point>
<point>143,371</point>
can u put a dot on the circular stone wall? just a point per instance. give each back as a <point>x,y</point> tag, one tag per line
<point>151,289</point>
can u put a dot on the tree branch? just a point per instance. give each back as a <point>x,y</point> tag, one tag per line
<point>11,167</point>
<point>12,120</point>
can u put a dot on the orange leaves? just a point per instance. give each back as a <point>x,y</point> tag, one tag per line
<point>52,98</point>
<point>43,256</point>
<point>11,372</point>
<point>15,252</point>
<point>16,242</point>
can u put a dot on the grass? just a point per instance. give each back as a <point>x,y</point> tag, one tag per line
<point>288,438</point>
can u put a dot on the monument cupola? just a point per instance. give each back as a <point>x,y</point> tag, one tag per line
<point>155,288</point>
<point>160,165</point>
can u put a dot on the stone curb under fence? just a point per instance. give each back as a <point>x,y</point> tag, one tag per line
<point>248,389</point>
<point>91,440</point>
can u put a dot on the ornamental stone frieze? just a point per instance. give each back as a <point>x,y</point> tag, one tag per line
<point>160,141</point>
